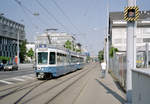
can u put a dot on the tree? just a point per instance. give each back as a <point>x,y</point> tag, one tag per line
<point>4,59</point>
<point>88,58</point>
<point>78,50</point>
<point>101,55</point>
<point>112,51</point>
<point>30,53</point>
<point>22,51</point>
<point>68,44</point>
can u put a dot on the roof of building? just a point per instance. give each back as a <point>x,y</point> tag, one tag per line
<point>1,16</point>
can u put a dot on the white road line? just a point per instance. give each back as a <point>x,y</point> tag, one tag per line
<point>31,75</point>
<point>18,79</point>
<point>3,81</point>
<point>28,77</point>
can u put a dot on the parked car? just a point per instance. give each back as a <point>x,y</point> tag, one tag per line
<point>10,67</point>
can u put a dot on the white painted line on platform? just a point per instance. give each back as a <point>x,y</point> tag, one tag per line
<point>18,79</point>
<point>6,82</point>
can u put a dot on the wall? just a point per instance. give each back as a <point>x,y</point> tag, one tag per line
<point>141,86</point>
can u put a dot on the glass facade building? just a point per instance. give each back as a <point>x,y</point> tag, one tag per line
<point>9,31</point>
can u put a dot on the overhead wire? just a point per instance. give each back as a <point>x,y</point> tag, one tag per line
<point>65,15</point>
<point>29,11</point>
<point>24,11</point>
<point>51,15</point>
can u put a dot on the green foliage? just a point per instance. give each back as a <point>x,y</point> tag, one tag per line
<point>88,58</point>
<point>30,53</point>
<point>2,58</point>
<point>68,44</point>
<point>22,51</point>
<point>112,51</point>
<point>78,50</point>
<point>101,55</point>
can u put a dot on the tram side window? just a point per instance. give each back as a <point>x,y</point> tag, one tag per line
<point>52,59</point>
<point>60,58</point>
<point>73,59</point>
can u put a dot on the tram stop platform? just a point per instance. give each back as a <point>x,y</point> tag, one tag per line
<point>101,90</point>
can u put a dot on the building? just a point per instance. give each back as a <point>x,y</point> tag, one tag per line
<point>55,38</point>
<point>118,28</point>
<point>9,31</point>
<point>30,45</point>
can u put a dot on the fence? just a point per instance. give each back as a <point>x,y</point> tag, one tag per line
<point>118,65</point>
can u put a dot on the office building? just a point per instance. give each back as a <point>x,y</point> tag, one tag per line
<point>9,30</point>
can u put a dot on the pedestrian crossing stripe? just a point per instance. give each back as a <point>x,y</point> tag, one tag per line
<point>18,79</point>
<point>126,10</point>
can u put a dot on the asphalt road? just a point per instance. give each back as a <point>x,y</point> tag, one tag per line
<point>24,69</point>
<point>80,87</point>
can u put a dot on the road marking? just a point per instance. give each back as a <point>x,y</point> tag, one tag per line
<point>28,77</point>
<point>31,75</point>
<point>3,81</point>
<point>18,79</point>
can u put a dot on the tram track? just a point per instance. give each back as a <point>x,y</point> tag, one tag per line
<point>20,88</point>
<point>16,86</point>
<point>29,87</point>
<point>68,86</point>
<point>51,88</point>
<point>55,86</point>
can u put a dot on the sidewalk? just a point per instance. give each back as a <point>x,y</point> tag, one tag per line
<point>101,91</point>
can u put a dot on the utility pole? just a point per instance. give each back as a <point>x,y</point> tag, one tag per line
<point>107,37</point>
<point>147,56</point>
<point>131,51</point>
<point>18,60</point>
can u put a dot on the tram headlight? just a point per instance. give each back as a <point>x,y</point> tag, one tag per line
<point>38,68</point>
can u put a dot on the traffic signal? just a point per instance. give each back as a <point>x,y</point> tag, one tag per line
<point>131,13</point>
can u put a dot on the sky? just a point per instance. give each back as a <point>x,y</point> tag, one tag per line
<point>85,19</point>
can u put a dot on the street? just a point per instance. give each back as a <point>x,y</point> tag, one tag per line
<point>10,77</point>
<point>80,87</point>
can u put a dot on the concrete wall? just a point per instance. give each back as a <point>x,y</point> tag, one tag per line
<point>141,86</point>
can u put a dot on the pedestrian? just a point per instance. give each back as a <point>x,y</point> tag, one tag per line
<point>103,69</point>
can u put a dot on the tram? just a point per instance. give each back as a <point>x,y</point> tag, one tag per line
<point>52,61</point>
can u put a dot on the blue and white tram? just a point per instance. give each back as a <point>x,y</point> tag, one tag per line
<point>53,62</point>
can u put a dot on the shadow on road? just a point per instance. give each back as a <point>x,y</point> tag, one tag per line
<point>117,96</point>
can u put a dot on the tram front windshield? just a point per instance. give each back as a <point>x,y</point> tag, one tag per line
<point>42,57</point>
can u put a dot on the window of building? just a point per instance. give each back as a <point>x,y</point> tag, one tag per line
<point>146,39</point>
<point>118,41</point>
<point>139,40</point>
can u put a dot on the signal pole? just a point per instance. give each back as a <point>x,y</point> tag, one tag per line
<point>131,53</point>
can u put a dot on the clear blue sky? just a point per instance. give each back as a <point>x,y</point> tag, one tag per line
<point>88,16</point>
